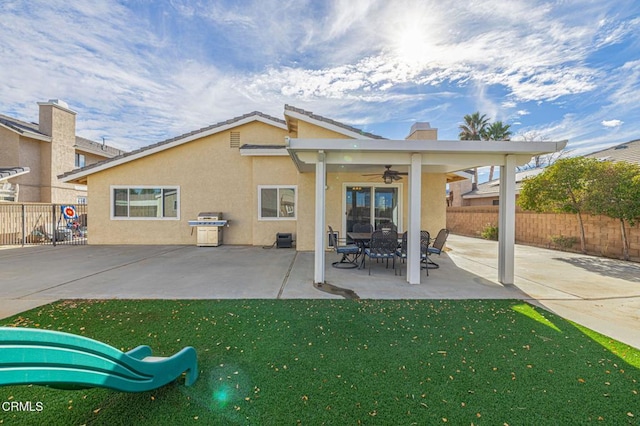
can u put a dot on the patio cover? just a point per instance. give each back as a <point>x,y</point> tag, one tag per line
<point>419,156</point>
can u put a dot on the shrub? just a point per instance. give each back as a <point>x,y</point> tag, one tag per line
<point>490,232</point>
<point>563,242</point>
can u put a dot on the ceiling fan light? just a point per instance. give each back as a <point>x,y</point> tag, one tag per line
<point>388,179</point>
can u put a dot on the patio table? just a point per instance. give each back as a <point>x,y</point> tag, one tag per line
<point>360,238</point>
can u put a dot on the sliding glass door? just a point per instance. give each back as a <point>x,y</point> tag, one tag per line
<point>377,205</point>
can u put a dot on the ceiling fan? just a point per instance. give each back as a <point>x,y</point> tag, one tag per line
<point>388,176</point>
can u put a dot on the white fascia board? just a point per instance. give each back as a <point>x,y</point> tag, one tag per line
<point>431,146</point>
<point>326,125</point>
<point>264,152</point>
<point>178,142</point>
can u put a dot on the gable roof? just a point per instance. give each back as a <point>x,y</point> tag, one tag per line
<point>10,172</point>
<point>32,130</point>
<point>628,151</point>
<point>492,187</point>
<point>87,145</point>
<point>172,142</point>
<point>327,123</point>
<point>23,128</point>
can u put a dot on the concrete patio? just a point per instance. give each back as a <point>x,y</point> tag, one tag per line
<point>602,294</point>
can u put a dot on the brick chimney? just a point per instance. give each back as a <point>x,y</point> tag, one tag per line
<point>422,131</point>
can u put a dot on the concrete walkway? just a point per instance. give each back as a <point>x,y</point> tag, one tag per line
<point>602,294</point>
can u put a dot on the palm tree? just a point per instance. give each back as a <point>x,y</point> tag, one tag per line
<point>473,129</point>
<point>497,131</point>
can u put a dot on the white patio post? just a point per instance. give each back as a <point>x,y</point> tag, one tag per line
<point>507,220</point>
<point>415,214</point>
<point>321,169</point>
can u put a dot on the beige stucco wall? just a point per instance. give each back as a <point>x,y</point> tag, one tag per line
<point>311,131</point>
<point>9,148</point>
<point>30,183</point>
<point>272,171</point>
<point>212,177</point>
<point>434,202</point>
<point>19,151</point>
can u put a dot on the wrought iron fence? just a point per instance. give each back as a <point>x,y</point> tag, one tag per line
<point>25,224</point>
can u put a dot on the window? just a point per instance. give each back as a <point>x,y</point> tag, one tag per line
<point>79,160</point>
<point>277,202</point>
<point>145,202</point>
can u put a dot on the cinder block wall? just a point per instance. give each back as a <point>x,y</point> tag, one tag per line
<point>603,235</point>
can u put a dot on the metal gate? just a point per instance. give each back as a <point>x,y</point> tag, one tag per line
<point>24,224</point>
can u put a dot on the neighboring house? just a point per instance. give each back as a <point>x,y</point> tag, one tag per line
<point>46,150</point>
<point>296,175</point>
<point>628,151</point>
<point>487,193</point>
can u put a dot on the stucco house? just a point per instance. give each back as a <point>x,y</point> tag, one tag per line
<point>627,151</point>
<point>487,193</point>
<point>297,175</point>
<point>37,153</point>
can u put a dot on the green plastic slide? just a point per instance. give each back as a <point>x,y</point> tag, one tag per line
<point>67,361</point>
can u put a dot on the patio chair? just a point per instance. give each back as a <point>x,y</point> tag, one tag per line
<point>401,252</point>
<point>388,226</point>
<point>362,227</point>
<point>349,252</point>
<point>436,247</point>
<point>383,245</point>
<point>425,240</point>
<point>365,228</point>
<point>71,362</point>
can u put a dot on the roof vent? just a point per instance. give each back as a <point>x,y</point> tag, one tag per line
<point>621,147</point>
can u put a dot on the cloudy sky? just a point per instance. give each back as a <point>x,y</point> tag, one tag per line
<point>141,71</point>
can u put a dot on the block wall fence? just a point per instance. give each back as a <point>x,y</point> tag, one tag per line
<point>603,235</point>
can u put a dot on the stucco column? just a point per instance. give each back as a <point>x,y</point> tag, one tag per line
<point>507,220</point>
<point>321,169</point>
<point>413,228</point>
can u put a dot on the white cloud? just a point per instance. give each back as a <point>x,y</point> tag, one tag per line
<point>612,123</point>
<point>138,77</point>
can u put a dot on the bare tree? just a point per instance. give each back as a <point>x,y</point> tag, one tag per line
<point>543,160</point>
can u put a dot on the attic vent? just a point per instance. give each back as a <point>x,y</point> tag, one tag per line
<point>234,140</point>
<point>621,147</point>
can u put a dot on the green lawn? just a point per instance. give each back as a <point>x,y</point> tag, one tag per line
<point>287,362</point>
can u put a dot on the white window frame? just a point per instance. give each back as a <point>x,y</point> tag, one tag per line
<point>278,187</point>
<point>112,189</point>
<point>80,160</point>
